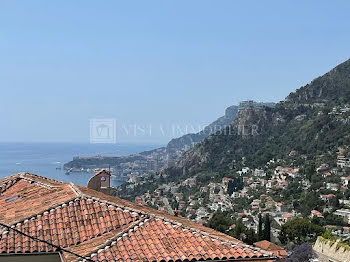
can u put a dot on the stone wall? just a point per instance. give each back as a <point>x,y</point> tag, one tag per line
<point>330,250</point>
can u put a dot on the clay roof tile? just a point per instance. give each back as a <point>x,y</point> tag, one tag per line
<point>82,219</point>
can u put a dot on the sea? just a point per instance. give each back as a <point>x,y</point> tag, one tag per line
<point>47,159</point>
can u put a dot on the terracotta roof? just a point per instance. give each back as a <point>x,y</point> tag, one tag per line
<point>329,195</point>
<point>34,195</point>
<point>68,224</point>
<point>149,211</point>
<point>279,253</point>
<point>102,171</point>
<point>157,239</point>
<point>275,249</point>
<point>317,213</point>
<point>104,228</point>
<point>288,215</point>
<point>12,242</point>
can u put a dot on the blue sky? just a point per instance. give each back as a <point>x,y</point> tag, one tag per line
<point>155,63</point>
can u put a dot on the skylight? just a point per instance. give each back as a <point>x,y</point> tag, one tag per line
<point>11,199</point>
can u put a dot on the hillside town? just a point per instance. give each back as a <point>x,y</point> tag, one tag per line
<point>252,192</point>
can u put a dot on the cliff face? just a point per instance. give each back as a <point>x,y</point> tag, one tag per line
<point>221,148</point>
<point>252,121</point>
<point>187,141</point>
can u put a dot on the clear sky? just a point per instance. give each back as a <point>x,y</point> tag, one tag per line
<point>155,63</point>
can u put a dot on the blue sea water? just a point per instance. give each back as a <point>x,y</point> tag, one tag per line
<point>45,159</point>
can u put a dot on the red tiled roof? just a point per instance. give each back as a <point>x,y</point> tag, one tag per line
<point>146,210</point>
<point>279,253</point>
<point>34,197</point>
<point>317,213</point>
<point>288,215</point>
<point>267,245</point>
<point>68,224</point>
<point>101,171</point>
<point>157,239</point>
<point>329,195</point>
<point>275,249</point>
<point>103,227</point>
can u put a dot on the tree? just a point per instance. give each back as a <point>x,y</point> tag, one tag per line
<point>251,237</point>
<point>308,202</point>
<point>299,230</point>
<point>220,222</point>
<point>260,228</point>
<point>230,188</point>
<point>334,202</point>
<point>175,205</point>
<point>301,253</point>
<point>331,219</point>
<point>239,228</point>
<point>267,228</point>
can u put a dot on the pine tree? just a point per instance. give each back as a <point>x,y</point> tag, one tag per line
<point>267,228</point>
<point>239,228</point>
<point>230,188</point>
<point>251,237</point>
<point>260,228</point>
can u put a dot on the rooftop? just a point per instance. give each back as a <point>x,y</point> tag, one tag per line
<point>276,250</point>
<point>103,228</point>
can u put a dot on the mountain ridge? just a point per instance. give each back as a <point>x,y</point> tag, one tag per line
<point>322,86</point>
<point>305,112</point>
